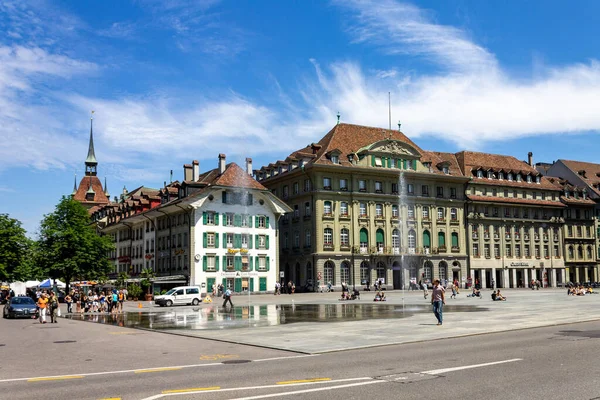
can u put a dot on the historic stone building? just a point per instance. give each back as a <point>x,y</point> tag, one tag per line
<point>515,222</point>
<point>90,192</point>
<point>581,189</point>
<point>369,204</point>
<point>215,227</point>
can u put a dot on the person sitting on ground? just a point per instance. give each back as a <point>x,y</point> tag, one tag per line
<point>494,296</point>
<point>500,297</point>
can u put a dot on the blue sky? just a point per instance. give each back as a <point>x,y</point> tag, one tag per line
<point>174,80</point>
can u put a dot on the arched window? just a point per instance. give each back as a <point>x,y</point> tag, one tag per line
<point>454,239</point>
<point>443,270</point>
<point>412,239</point>
<point>425,212</point>
<point>327,208</point>
<point>440,213</point>
<point>589,252</point>
<point>396,239</point>
<point>364,240</point>
<point>427,270</point>
<point>345,272</point>
<point>364,273</point>
<point>441,239</point>
<point>381,271</point>
<point>453,214</point>
<point>379,239</point>
<point>345,237</point>
<point>328,272</point>
<point>579,252</point>
<point>394,211</point>
<point>426,239</point>
<point>378,210</point>
<point>309,271</point>
<point>571,254</point>
<point>328,237</point>
<point>410,210</point>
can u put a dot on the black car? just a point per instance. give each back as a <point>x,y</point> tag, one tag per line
<point>20,306</point>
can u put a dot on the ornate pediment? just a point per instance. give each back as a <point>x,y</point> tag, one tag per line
<point>393,147</point>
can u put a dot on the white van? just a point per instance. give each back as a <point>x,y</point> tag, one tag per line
<point>180,295</point>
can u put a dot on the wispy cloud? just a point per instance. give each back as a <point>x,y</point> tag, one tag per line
<point>119,30</point>
<point>400,28</point>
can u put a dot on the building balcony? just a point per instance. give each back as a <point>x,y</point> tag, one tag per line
<point>327,216</point>
<point>344,216</point>
<point>441,220</point>
<point>328,247</point>
<point>441,249</point>
<point>454,221</point>
<point>345,247</point>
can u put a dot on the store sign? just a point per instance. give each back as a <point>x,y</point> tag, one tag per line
<point>519,264</point>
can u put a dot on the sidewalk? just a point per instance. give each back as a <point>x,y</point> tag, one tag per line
<point>524,309</point>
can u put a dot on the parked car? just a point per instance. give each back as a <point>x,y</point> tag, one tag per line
<point>180,295</point>
<point>19,306</point>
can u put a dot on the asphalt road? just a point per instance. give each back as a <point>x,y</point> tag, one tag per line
<point>98,362</point>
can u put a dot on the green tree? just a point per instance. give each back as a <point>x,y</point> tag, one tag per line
<point>15,248</point>
<point>147,274</point>
<point>69,247</point>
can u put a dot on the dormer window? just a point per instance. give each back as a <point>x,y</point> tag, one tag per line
<point>280,169</point>
<point>300,163</point>
<point>537,179</point>
<point>584,194</point>
<point>490,175</point>
<point>510,177</point>
<point>567,194</point>
<point>446,170</point>
<point>378,161</point>
<point>480,174</point>
<point>335,159</point>
<point>501,175</point>
<point>528,178</point>
<point>518,177</point>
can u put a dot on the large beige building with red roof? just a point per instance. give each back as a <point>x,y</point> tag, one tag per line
<point>369,205</point>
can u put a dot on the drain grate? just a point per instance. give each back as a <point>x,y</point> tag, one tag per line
<point>235,362</point>
<point>66,341</point>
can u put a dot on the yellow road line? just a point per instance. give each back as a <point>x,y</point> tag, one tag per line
<point>111,398</point>
<point>190,390</point>
<point>143,371</point>
<point>304,381</point>
<point>56,378</point>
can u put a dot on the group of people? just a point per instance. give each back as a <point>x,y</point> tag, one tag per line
<point>579,291</point>
<point>279,288</point>
<point>47,303</point>
<point>497,296</point>
<point>96,301</point>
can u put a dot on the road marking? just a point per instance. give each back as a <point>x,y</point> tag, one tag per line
<point>444,370</point>
<point>133,370</point>
<point>125,333</point>
<point>303,381</point>
<point>265,396</point>
<point>215,357</point>
<point>191,390</point>
<point>160,396</point>
<point>55,378</point>
<point>144,371</point>
<point>111,398</point>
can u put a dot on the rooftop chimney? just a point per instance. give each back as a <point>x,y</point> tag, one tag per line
<point>249,166</point>
<point>187,172</point>
<point>221,163</point>
<point>530,158</point>
<point>196,171</point>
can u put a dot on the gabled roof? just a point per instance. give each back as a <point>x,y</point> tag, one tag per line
<point>96,184</point>
<point>588,172</point>
<point>235,176</point>
<point>439,159</point>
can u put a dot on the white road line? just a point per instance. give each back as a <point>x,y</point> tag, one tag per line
<point>160,396</point>
<point>148,369</point>
<point>265,396</point>
<point>444,370</point>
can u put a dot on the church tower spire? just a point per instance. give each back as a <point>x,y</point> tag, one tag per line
<point>90,162</point>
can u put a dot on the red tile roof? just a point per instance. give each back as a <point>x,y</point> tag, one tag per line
<point>512,200</point>
<point>84,184</point>
<point>439,159</point>
<point>235,176</point>
<point>587,171</point>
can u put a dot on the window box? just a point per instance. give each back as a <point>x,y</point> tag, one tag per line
<point>547,257</point>
<point>527,256</point>
<point>326,187</point>
<point>363,216</point>
<point>345,247</point>
<point>362,190</point>
<point>328,246</point>
<point>344,216</point>
<point>441,249</point>
<point>455,249</point>
<point>441,220</point>
<point>328,215</point>
<point>497,257</point>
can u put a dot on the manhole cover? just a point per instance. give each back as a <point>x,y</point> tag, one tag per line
<point>583,334</point>
<point>65,341</point>
<point>235,362</point>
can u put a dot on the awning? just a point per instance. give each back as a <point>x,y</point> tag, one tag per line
<point>176,281</point>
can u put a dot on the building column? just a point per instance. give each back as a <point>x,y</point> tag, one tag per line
<point>525,277</point>
<point>472,275</point>
<point>482,278</point>
<point>496,284</point>
<point>505,278</point>
<point>563,276</point>
<point>553,274</point>
<point>595,273</point>
<point>586,274</point>
<point>514,278</point>
<point>576,274</point>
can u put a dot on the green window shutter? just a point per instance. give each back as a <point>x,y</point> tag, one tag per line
<point>454,239</point>
<point>251,288</point>
<point>224,219</point>
<point>256,221</point>
<point>237,263</point>
<point>267,222</point>
<point>256,262</point>
<point>249,241</point>
<point>224,281</point>
<point>441,239</point>
<point>204,218</point>
<point>249,220</point>
<point>399,164</point>
<point>268,263</point>
<point>256,241</point>
<point>250,263</point>
<point>414,164</point>
<point>216,218</point>
<point>217,263</point>
<point>237,240</point>
<point>204,263</point>
<point>372,161</point>
<point>224,240</point>
<point>426,239</point>
<point>237,220</point>
<point>204,239</point>
<point>267,242</point>
<point>364,236</point>
<point>379,236</point>
<point>389,162</point>
<point>216,240</point>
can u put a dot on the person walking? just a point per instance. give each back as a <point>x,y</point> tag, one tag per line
<point>42,304</point>
<point>121,298</point>
<point>438,300</point>
<point>69,301</point>
<point>227,296</point>
<point>53,301</point>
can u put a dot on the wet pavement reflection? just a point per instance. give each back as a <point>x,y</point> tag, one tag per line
<point>214,317</point>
